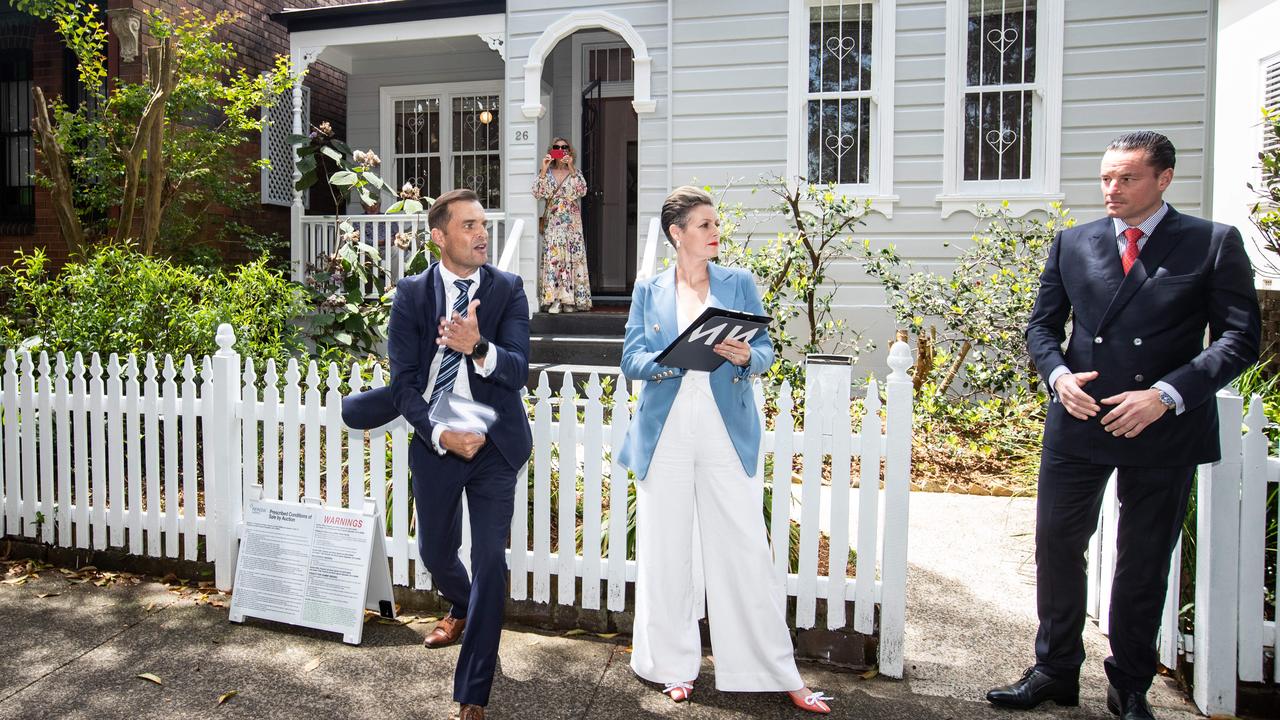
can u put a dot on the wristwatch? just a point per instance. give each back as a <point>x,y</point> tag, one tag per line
<point>1166,399</point>
<point>480,349</point>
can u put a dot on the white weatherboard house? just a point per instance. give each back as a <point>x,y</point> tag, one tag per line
<point>924,107</point>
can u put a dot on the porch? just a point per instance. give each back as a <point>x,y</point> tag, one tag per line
<point>428,90</point>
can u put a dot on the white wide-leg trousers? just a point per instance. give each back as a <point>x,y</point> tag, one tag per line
<point>696,472</point>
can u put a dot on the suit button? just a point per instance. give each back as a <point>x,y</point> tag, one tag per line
<point>1137,341</point>
<point>1098,340</point>
<point>1137,378</point>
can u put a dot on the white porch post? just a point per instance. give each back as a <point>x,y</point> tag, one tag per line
<point>301,59</point>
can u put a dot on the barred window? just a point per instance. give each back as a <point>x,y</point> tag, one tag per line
<point>838,112</point>
<point>999,90</point>
<point>443,137</point>
<point>17,151</point>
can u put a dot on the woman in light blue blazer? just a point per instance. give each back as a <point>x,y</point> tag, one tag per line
<point>694,445</point>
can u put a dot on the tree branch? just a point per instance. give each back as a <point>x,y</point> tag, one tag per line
<point>63,193</point>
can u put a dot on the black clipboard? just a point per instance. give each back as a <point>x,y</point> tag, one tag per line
<point>692,350</point>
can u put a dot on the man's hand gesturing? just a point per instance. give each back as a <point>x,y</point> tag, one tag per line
<point>1069,388</point>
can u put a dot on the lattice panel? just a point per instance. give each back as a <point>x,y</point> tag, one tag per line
<point>277,180</point>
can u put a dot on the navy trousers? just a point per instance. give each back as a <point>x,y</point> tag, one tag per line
<point>489,483</point>
<point>1153,503</point>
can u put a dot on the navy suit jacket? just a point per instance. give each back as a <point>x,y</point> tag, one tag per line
<point>1145,327</point>
<point>504,322</point>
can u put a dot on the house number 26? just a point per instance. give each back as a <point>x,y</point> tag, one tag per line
<point>522,136</point>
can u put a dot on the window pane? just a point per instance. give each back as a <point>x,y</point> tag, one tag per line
<point>481,173</point>
<point>840,140</point>
<point>998,134</point>
<point>475,123</point>
<point>417,126</point>
<point>840,48</point>
<point>1001,42</point>
<point>423,173</point>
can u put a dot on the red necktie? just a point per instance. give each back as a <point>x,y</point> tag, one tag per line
<point>1130,248</point>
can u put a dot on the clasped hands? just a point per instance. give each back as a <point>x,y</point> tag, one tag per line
<point>1134,410</point>
<point>461,333</point>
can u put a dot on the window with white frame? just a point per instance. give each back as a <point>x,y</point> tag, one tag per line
<point>838,96</point>
<point>841,96</point>
<point>1003,104</point>
<point>443,137</point>
<point>999,85</point>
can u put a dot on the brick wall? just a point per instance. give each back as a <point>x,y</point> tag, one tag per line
<point>257,40</point>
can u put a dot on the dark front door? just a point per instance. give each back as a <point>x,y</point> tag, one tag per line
<point>609,142</point>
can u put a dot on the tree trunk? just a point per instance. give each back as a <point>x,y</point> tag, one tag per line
<point>159,67</point>
<point>163,82</point>
<point>955,367</point>
<point>63,192</point>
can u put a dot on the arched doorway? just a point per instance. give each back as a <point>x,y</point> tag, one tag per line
<point>598,70</point>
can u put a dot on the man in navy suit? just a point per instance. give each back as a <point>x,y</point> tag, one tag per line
<point>462,326</point>
<point>1132,393</point>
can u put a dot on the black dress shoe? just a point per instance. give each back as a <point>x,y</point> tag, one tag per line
<point>1034,688</point>
<point>1128,704</point>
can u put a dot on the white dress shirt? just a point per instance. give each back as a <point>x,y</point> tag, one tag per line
<point>461,385</point>
<point>1147,227</point>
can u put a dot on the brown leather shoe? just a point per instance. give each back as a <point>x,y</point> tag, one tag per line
<point>469,712</point>
<point>446,632</point>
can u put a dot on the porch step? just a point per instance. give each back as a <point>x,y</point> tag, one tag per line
<point>581,375</point>
<point>546,349</point>
<point>596,322</point>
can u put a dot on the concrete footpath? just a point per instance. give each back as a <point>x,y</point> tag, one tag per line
<point>70,648</point>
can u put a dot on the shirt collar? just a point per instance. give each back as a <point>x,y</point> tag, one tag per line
<point>449,277</point>
<point>1146,226</point>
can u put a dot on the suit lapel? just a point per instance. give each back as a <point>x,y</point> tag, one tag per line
<point>1162,241</point>
<point>486,311</point>
<point>721,293</point>
<point>664,298</point>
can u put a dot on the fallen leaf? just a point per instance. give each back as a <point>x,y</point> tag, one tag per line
<point>574,631</point>
<point>217,604</point>
<point>45,595</point>
<point>427,619</point>
<point>150,606</point>
<point>227,696</point>
<point>311,665</point>
<point>388,621</point>
<point>21,580</point>
<point>153,678</point>
<point>606,636</point>
<point>77,581</point>
<point>870,673</point>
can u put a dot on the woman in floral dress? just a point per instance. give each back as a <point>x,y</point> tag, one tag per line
<point>562,275</point>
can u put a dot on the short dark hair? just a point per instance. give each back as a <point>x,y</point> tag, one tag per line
<point>1160,152</point>
<point>676,208</point>
<point>438,215</point>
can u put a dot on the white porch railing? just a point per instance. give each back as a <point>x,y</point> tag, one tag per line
<point>318,238</point>
<point>85,465</point>
<point>1231,633</point>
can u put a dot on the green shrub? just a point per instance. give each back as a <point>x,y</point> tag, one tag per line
<point>120,301</point>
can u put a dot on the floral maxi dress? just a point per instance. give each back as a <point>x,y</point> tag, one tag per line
<point>562,271</point>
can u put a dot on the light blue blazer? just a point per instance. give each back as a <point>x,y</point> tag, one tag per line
<point>651,327</point>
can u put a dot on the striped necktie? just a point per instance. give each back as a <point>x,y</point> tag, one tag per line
<point>452,359</point>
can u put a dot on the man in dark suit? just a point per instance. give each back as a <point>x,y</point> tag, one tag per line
<point>462,326</point>
<point>1133,393</point>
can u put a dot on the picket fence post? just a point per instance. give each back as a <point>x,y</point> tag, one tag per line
<point>1217,565</point>
<point>222,481</point>
<point>897,501</point>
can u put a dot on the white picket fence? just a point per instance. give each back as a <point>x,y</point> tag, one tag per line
<point>149,455</point>
<point>1231,633</point>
